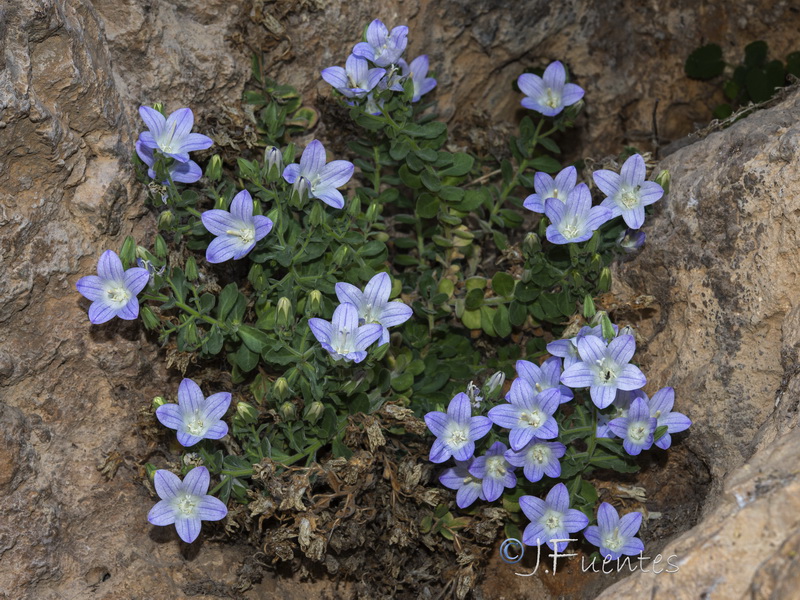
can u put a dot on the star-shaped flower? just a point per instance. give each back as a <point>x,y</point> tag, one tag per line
<point>546,377</point>
<point>383,48</point>
<point>538,458</point>
<point>113,290</point>
<point>356,80</point>
<point>628,193</point>
<point>636,429</point>
<point>494,471</point>
<point>459,478</point>
<point>576,220</point>
<point>551,519</point>
<point>547,187</point>
<point>184,172</point>
<point>237,231</point>
<point>317,179</point>
<point>195,417</point>
<point>418,71</point>
<point>528,415</point>
<point>549,94</point>
<point>604,368</point>
<point>456,431</point>
<point>615,536</point>
<point>185,503</point>
<point>342,336</point>
<point>172,136</point>
<point>373,304</point>
<point>661,408</point>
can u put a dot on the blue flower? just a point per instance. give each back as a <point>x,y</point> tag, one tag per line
<point>383,48</point>
<point>568,348</point>
<point>342,336</point>
<point>195,417</point>
<point>636,429</point>
<point>113,290</point>
<point>576,220</point>
<point>661,409</point>
<point>620,406</point>
<point>546,377</point>
<point>418,71</point>
<point>628,193</point>
<point>528,415</point>
<point>630,240</point>
<point>237,231</point>
<point>317,179</point>
<point>356,80</point>
<point>549,95</point>
<point>604,368</point>
<point>456,431</point>
<point>172,136</point>
<point>547,187</point>
<point>494,471</point>
<point>538,458</point>
<point>185,503</point>
<point>459,478</point>
<point>184,172</point>
<point>373,303</point>
<point>615,536</point>
<point>551,519</point>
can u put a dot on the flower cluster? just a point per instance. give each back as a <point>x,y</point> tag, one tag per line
<point>186,503</point>
<point>376,65</point>
<point>361,319</point>
<point>589,360</point>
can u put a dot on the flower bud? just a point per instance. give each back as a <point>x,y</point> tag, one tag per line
<point>314,412</point>
<point>191,269</point>
<point>354,208</point>
<point>531,245</point>
<point>373,211</point>
<point>165,220</point>
<point>494,384</point>
<point>221,203</point>
<point>284,315</point>
<point>160,247</point>
<point>340,255</point>
<point>148,318</point>
<point>288,411</point>
<point>631,240</point>
<point>280,390</point>
<point>159,401</point>
<point>627,330</point>
<point>573,110</point>
<point>313,303</point>
<point>247,413</point>
<point>663,179</point>
<point>274,161</point>
<point>159,106</point>
<point>589,309</point>
<point>214,168</point>
<point>300,191</point>
<point>604,284</point>
<point>128,252</point>
<point>317,216</point>
<point>381,236</point>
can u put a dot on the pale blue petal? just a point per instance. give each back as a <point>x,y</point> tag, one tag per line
<point>211,509</point>
<point>219,222</point>
<point>330,196</point>
<point>109,267</point>
<point>188,528</point>
<point>607,181</point>
<point>322,329</point>
<point>196,481</point>
<point>313,159</point>
<point>170,416</point>
<point>633,170</point>
<point>190,396</point>
<point>100,312</point>
<point>242,206</point>
<point>91,287</point>
<point>167,484</point>
<point>395,313</point>
<point>163,513</point>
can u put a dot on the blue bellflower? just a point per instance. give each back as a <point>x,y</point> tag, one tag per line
<point>551,519</point>
<point>184,172</point>
<point>172,136</point>
<point>494,471</point>
<point>469,488</point>
<point>568,348</point>
<point>620,406</point>
<point>195,417</point>
<point>576,220</point>
<point>373,303</point>
<point>418,72</point>
<point>547,187</point>
<point>538,458</point>
<point>237,231</point>
<point>604,368</point>
<point>113,290</point>
<point>356,80</point>
<point>636,429</point>
<point>661,409</point>
<point>317,179</point>
<point>614,535</point>
<point>185,503</point>
<point>549,94</point>
<point>546,377</point>
<point>342,336</point>
<point>628,193</point>
<point>383,48</point>
<point>456,430</point>
<point>528,415</point>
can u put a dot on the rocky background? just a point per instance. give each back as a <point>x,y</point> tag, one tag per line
<point>721,259</point>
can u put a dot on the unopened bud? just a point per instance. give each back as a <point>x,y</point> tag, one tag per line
<point>159,106</point>
<point>159,401</point>
<point>531,245</point>
<point>314,412</point>
<point>221,203</point>
<point>148,318</point>
<point>313,303</point>
<point>627,330</point>
<point>373,211</point>
<point>274,161</point>
<point>354,207</point>
<point>280,390</point>
<point>571,112</point>
<point>288,411</point>
<point>604,284</point>
<point>663,179</point>
<point>494,384</point>
<point>191,269</point>
<point>284,313</point>
<point>214,168</point>
<point>589,308</point>
<point>380,236</point>
<point>166,219</point>
<point>160,247</point>
<point>300,191</point>
<point>128,252</point>
<point>247,413</point>
<point>317,216</point>
<point>340,255</point>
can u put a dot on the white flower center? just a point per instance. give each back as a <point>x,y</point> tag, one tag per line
<point>187,504</point>
<point>118,294</point>
<point>166,140</point>
<point>570,229</point>
<point>533,418</point>
<point>606,371</point>
<point>612,542</point>
<point>343,344</point>
<point>247,233</point>
<point>637,431</point>
<point>369,316</point>
<point>552,520</point>
<point>457,436</point>
<point>629,198</point>
<point>196,426</point>
<point>552,99</point>
<point>539,454</point>
<point>495,467</point>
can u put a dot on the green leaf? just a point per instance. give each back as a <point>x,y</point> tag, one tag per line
<point>410,179</point>
<point>451,194</point>
<point>462,164</point>
<point>245,359</point>
<point>500,321</point>
<point>472,200</point>
<point>487,320</point>
<point>402,382</point>
<point>255,339</point>
<point>549,145</point>
<point>427,154</point>
<point>471,319</point>
<point>503,284</point>
<point>474,299</point>
<point>731,89</point>
<point>517,313</point>
<point>755,53</point>
<point>705,62</point>
<point>227,300</point>
<point>722,111</point>
<point>793,63</point>
<point>758,85</point>
<point>427,206</point>
<point>548,164</point>
<point>431,181</point>
<point>526,292</point>
<point>399,148</point>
